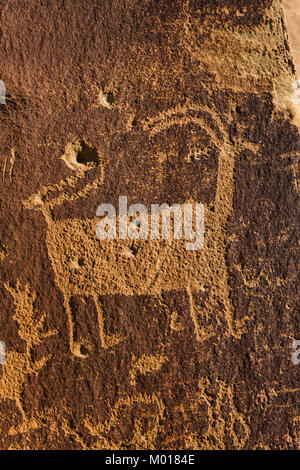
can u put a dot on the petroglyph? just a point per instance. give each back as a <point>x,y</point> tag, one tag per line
<point>148,272</point>
<point>175,102</point>
<point>12,161</point>
<point>146,365</point>
<point>149,411</point>
<point>234,425</point>
<point>19,365</point>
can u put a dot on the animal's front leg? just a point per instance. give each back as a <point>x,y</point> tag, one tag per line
<point>77,348</point>
<point>107,341</point>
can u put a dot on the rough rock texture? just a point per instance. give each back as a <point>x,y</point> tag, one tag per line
<point>292,14</point>
<point>144,345</point>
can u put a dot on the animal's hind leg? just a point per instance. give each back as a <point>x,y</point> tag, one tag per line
<point>202,332</point>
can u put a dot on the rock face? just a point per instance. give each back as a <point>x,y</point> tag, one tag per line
<point>292,13</point>
<point>142,344</point>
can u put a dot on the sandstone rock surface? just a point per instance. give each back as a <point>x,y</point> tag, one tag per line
<point>141,344</point>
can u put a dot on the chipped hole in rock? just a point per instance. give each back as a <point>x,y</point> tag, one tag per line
<point>107,99</point>
<point>84,350</point>
<point>134,250</point>
<point>87,154</point>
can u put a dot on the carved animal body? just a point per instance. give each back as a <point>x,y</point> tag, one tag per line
<point>85,265</point>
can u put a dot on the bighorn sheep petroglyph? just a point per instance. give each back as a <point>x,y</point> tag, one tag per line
<point>85,265</point>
